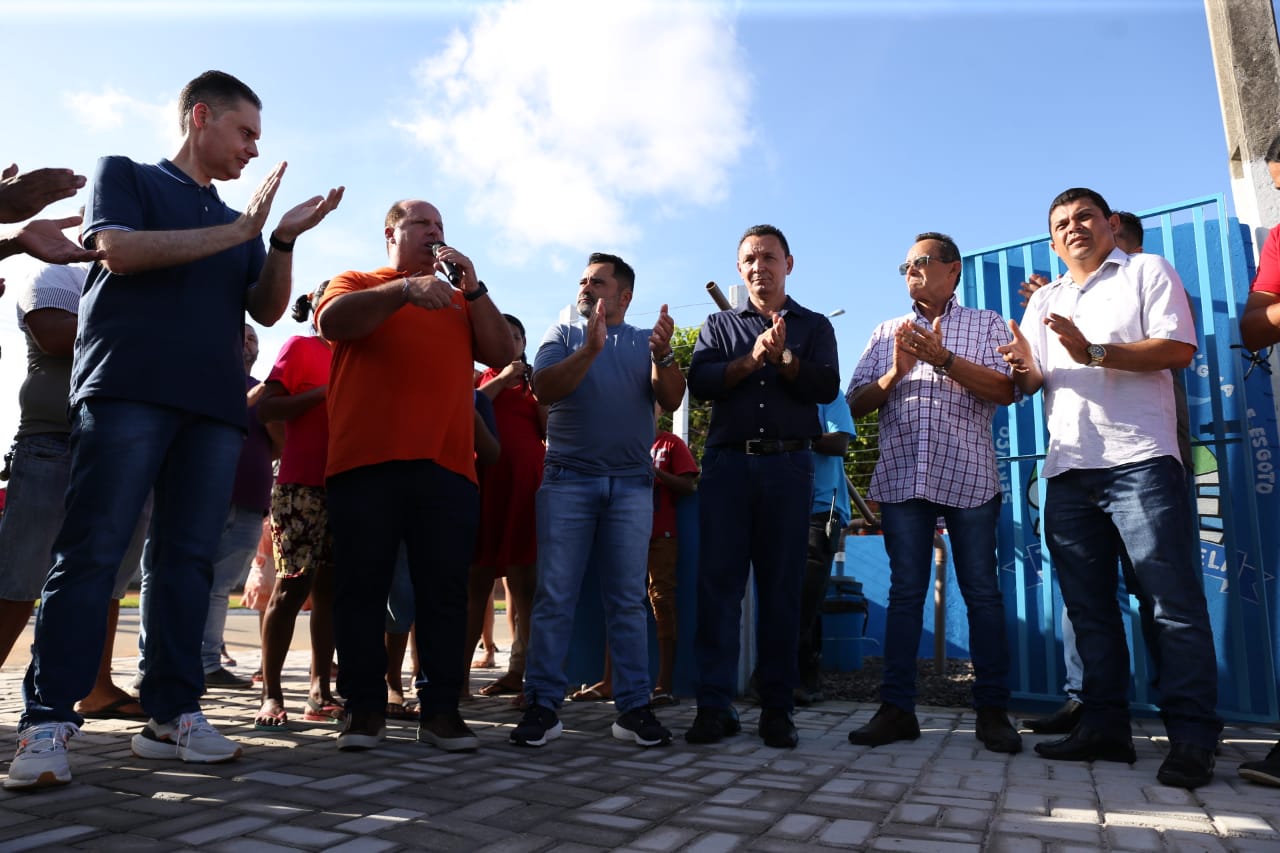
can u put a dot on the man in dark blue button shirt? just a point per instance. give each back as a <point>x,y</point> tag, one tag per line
<point>765,367</point>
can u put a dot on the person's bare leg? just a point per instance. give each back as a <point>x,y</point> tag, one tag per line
<point>479,590</point>
<point>105,693</point>
<point>486,660</point>
<point>511,611</point>
<point>666,665</point>
<point>277,634</point>
<point>14,616</point>
<point>322,604</point>
<point>602,689</point>
<point>396,644</point>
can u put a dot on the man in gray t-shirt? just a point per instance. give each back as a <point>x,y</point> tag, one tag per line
<point>47,298</point>
<point>596,497</point>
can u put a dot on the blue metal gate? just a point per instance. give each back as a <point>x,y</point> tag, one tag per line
<point>1233,430</point>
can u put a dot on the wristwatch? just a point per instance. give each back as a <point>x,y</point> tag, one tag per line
<point>944,369</point>
<point>666,361</point>
<point>786,359</point>
<point>1097,352</point>
<point>473,295</point>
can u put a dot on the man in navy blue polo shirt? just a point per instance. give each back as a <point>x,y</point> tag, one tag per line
<point>765,368</point>
<point>157,403</point>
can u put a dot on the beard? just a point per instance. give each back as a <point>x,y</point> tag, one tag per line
<point>587,306</point>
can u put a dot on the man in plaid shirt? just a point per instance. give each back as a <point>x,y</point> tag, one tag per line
<point>937,379</point>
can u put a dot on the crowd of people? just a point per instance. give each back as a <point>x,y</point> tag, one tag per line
<point>404,493</point>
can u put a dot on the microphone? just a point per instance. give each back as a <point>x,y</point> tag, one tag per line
<point>450,270</point>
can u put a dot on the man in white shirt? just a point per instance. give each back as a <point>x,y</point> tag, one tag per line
<point>1100,341</point>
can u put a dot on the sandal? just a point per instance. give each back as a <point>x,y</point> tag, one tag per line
<point>662,698</point>
<point>587,693</point>
<point>271,721</point>
<point>323,712</point>
<point>399,711</point>
<point>500,688</point>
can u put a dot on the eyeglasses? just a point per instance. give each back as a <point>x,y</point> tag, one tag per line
<point>919,263</point>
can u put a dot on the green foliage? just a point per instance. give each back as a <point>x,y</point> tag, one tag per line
<point>864,450</point>
<point>682,342</point>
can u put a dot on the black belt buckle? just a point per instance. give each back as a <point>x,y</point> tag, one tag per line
<point>771,446</point>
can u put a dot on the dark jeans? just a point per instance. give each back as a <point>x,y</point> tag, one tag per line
<point>753,513</point>
<point>1090,515</point>
<point>120,451</point>
<point>434,512</point>
<point>909,527</point>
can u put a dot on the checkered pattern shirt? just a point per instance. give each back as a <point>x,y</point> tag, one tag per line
<point>935,435</point>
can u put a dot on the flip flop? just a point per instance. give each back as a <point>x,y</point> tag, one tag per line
<point>398,711</point>
<point>323,712</point>
<point>271,721</point>
<point>499,688</point>
<point>661,698</point>
<point>588,694</point>
<point>115,711</point>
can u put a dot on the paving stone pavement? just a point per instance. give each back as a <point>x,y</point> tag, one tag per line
<point>587,791</point>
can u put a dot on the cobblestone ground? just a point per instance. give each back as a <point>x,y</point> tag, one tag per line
<point>586,791</point>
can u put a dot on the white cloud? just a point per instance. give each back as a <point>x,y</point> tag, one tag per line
<point>111,111</point>
<point>562,117</point>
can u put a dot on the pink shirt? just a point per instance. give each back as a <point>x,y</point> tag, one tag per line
<point>303,364</point>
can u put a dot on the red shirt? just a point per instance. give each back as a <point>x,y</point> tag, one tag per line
<point>1268,278</point>
<point>303,364</point>
<point>672,455</point>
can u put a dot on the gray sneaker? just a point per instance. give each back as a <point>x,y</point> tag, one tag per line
<point>189,738</point>
<point>41,759</point>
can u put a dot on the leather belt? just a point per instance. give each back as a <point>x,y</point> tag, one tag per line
<point>769,446</point>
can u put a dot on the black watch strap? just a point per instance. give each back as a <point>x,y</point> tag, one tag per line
<point>473,295</point>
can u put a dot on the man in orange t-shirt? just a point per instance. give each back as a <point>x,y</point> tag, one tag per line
<point>401,464</point>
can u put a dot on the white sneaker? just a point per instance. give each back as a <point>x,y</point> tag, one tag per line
<point>41,759</point>
<point>189,738</point>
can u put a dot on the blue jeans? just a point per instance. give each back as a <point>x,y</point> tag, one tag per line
<point>120,451</point>
<point>34,513</point>
<point>602,521</point>
<point>435,513</point>
<point>753,512</point>
<point>239,542</point>
<point>1090,516</point>
<point>236,547</point>
<point>909,528</point>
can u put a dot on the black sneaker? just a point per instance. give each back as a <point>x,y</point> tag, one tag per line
<point>711,725</point>
<point>540,724</point>
<point>641,726</point>
<point>777,730</point>
<point>223,677</point>
<point>1186,766</point>
<point>1266,771</point>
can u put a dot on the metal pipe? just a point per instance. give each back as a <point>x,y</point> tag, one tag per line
<point>718,296</point>
<point>939,604</point>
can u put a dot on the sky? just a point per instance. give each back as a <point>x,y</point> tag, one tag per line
<point>545,130</point>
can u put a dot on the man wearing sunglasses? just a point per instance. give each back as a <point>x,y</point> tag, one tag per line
<point>937,379</point>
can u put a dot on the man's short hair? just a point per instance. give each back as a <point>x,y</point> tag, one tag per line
<point>1130,227</point>
<point>1075,194</point>
<point>218,89</point>
<point>949,248</point>
<point>395,214</point>
<point>1273,151</point>
<point>622,270</point>
<point>766,231</point>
